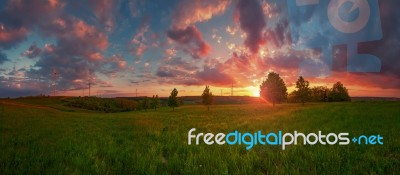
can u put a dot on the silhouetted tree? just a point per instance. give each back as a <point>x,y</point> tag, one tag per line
<point>273,89</point>
<point>338,93</point>
<point>207,97</point>
<point>319,94</point>
<point>303,91</point>
<point>155,102</point>
<point>145,103</point>
<point>292,98</point>
<point>173,100</point>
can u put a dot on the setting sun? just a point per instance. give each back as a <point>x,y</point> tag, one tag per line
<point>253,91</point>
<point>256,93</point>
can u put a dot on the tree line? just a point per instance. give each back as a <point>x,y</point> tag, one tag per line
<point>274,90</point>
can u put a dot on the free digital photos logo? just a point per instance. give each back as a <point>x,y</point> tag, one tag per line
<point>280,138</point>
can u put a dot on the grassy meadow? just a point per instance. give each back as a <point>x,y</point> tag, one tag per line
<point>42,136</point>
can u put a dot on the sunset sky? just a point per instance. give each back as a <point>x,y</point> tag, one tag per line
<point>155,46</point>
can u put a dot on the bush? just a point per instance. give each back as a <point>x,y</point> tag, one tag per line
<point>102,104</point>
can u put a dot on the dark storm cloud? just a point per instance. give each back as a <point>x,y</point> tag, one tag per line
<point>252,22</point>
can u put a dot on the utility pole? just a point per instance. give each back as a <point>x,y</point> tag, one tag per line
<point>221,92</point>
<point>136,92</point>
<point>89,86</point>
<point>232,90</point>
<point>54,81</point>
<point>90,79</point>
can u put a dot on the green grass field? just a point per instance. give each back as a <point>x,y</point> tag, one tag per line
<point>62,140</point>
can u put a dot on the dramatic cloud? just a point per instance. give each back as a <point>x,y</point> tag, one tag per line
<point>11,37</point>
<point>114,64</point>
<point>270,9</point>
<point>191,12</point>
<point>32,52</point>
<point>175,67</point>
<point>279,35</point>
<point>252,22</point>
<point>75,56</point>
<point>104,10</point>
<point>139,41</point>
<point>18,17</point>
<point>151,45</point>
<point>214,76</point>
<point>177,71</point>
<point>183,30</point>
<point>191,40</point>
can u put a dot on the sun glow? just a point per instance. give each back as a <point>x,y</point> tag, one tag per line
<point>253,91</point>
<point>256,93</point>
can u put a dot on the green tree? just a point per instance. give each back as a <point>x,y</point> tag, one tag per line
<point>292,97</point>
<point>338,93</point>
<point>303,91</point>
<point>319,94</point>
<point>207,97</point>
<point>173,100</point>
<point>145,103</point>
<point>273,89</point>
<point>155,102</point>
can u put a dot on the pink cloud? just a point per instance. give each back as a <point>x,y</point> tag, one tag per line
<point>191,40</point>
<point>104,11</point>
<point>184,18</point>
<point>139,40</point>
<point>32,52</point>
<point>9,37</point>
<point>191,12</point>
<point>215,76</point>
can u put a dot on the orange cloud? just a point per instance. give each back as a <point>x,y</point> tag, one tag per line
<point>192,12</point>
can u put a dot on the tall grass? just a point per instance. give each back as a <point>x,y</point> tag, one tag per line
<point>40,141</point>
